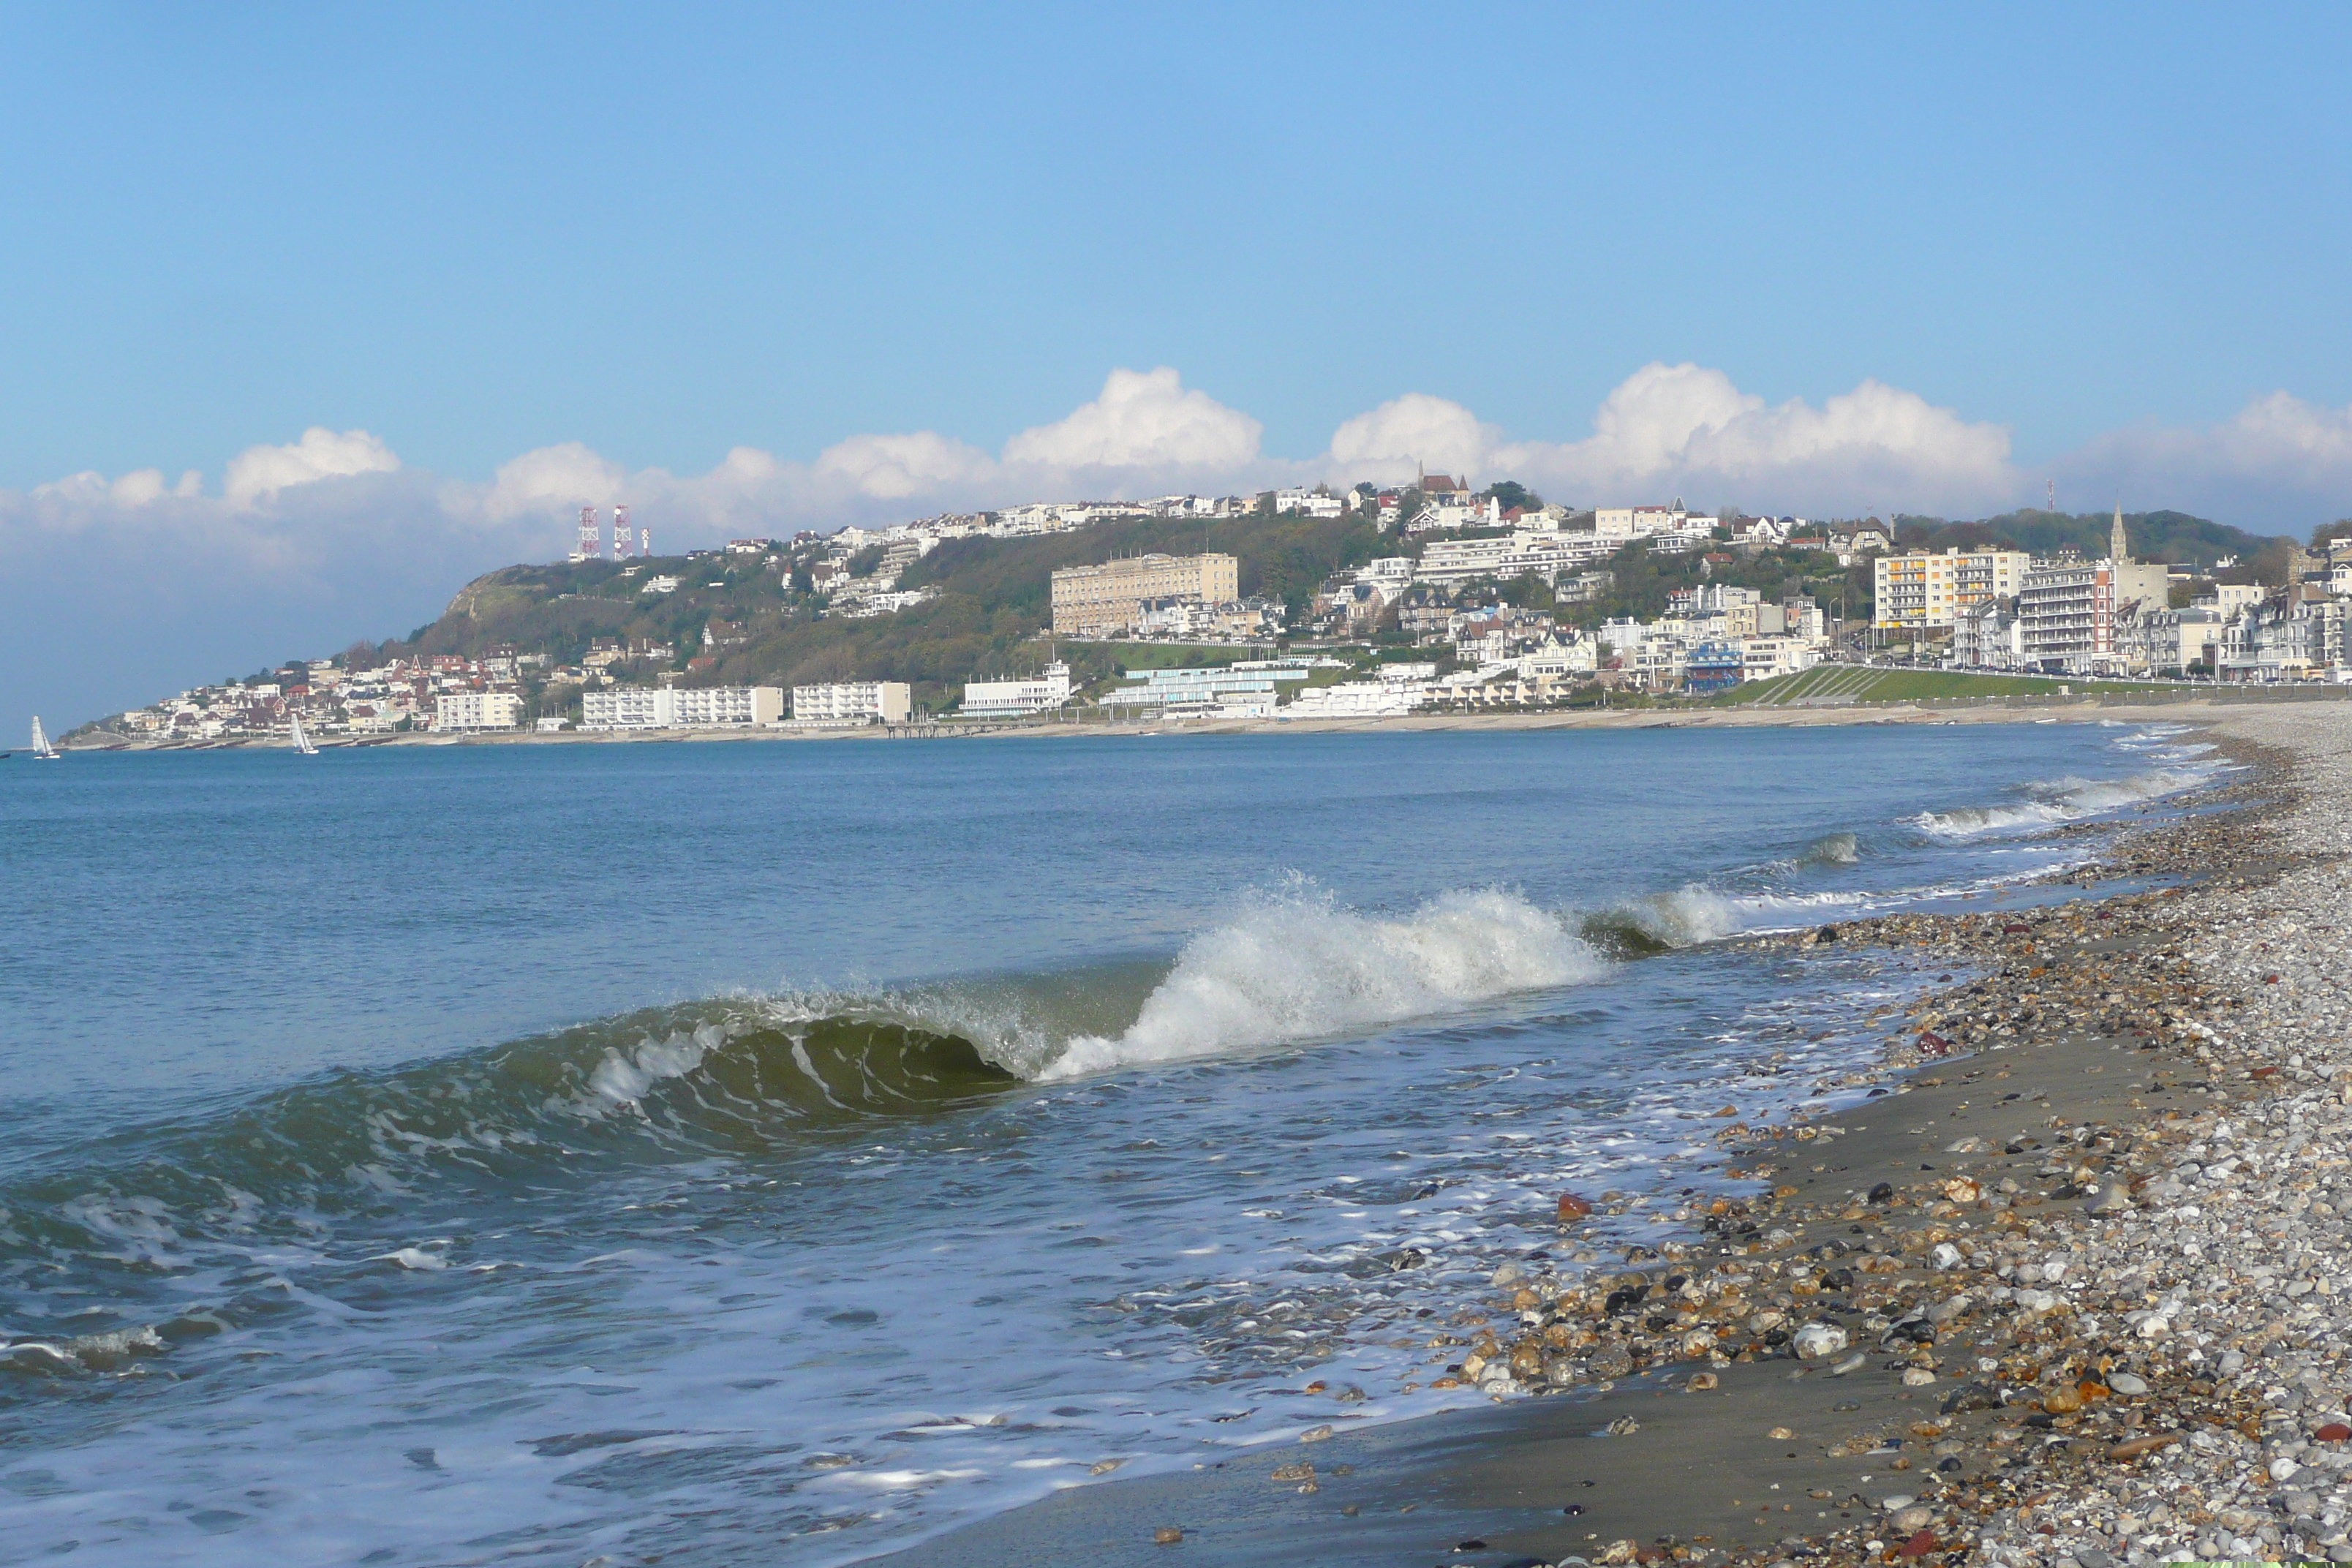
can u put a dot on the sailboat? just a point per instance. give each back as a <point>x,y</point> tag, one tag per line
<point>302,742</point>
<point>42,750</point>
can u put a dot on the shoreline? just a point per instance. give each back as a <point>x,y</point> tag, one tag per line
<point>2033,1347</point>
<point>2189,707</point>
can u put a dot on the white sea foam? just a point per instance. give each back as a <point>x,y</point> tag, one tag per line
<point>1696,914</point>
<point>2061,800</point>
<point>1296,966</point>
<point>622,1078</point>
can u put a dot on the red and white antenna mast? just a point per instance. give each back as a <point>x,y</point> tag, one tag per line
<point>620,533</point>
<point>592,536</point>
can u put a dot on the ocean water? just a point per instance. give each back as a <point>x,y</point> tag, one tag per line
<point>779,1152</point>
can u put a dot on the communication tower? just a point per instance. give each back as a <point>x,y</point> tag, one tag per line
<point>592,536</point>
<point>644,544</point>
<point>620,533</point>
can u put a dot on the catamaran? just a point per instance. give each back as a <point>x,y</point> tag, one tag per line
<point>42,750</point>
<point>302,742</point>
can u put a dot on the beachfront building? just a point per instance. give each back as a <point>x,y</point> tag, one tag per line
<point>1253,685</point>
<point>1384,699</point>
<point>1985,636</point>
<point>2161,640</point>
<point>1104,600</point>
<point>853,702</point>
<point>2068,612</point>
<point>680,707</point>
<point>1019,697</point>
<point>454,710</point>
<point>1919,590</point>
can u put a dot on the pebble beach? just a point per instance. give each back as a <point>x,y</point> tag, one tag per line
<point>2069,1283</point>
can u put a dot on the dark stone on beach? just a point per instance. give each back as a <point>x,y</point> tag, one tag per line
<point>1970,1396</point>
<point>1838,1279</point>
<point>1883,1193</point>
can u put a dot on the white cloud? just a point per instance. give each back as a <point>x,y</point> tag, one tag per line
<point>1415,429</point>
<point>1142,420</point>
<point>1685,429</point>
<point>893,467</point>
<point>2279,464</point>
<point>258,473</point>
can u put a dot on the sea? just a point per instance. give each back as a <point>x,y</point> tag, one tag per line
<point>782,1153</point>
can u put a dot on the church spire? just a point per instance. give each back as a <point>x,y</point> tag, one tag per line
<point>2118,548</point>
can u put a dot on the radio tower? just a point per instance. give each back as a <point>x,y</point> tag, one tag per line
<point>620,533</point>
<point>592,536</point>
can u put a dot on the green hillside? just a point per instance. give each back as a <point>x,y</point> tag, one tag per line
<point>993,598</point>
<point>2175,537</point>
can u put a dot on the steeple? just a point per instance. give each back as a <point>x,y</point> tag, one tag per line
<point>2118,548</point>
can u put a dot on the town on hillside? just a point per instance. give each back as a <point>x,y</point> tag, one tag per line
<point>1300,604</point>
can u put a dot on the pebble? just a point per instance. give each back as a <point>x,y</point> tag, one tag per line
<point>1815,1341</point>
<point>1166,1535</point>
<point>2168,1294</point>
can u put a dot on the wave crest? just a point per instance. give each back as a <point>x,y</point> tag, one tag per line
<point>2052,801</point>
<point>1296,966</point>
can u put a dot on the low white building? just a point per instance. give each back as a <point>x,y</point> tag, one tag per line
<point>680,707</point>
<point>853,702</point>
<point>1358,700</point>
<point>1019,696</point>
<point>476,710</point>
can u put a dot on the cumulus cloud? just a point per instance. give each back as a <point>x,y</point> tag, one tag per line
<point>1142,420</point>
<point>1416,429</point>
<point>258,473</point>
<point>2279,464</point>
<point>551,478</point>
<point>1685,429</point>
<point>893,467</point>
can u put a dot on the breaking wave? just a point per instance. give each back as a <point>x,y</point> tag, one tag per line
<point>1296,967</point>
<point>1689,916</point>
<point>746,1075</point>
<point>2055,800</point>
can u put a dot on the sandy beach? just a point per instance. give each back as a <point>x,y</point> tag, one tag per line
<point>2073,1284</point>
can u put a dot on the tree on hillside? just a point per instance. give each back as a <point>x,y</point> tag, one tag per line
<point>1510,493</point>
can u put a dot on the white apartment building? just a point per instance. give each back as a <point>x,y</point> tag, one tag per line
<point>680,707</point>
<point>1019,697</point>
<point>1359,699</point>
<point>2068,612</point>
<point>1508,556</point>
<point>1621,523</point>
<point>1917,591</point>
<point>853,702</point>
<point>454,711</point>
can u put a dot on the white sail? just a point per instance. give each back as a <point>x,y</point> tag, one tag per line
<point>302,742</point>
<point>41,747</point>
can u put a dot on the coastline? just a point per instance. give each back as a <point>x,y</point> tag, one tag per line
<point>2187,709</point>
<point>2072,1285</point>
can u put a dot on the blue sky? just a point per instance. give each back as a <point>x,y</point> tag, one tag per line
<point>633,241</point>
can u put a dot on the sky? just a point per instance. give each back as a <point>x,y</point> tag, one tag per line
<point>315,313</point>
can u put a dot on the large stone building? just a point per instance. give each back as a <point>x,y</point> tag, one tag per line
<point>1099,601</point>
